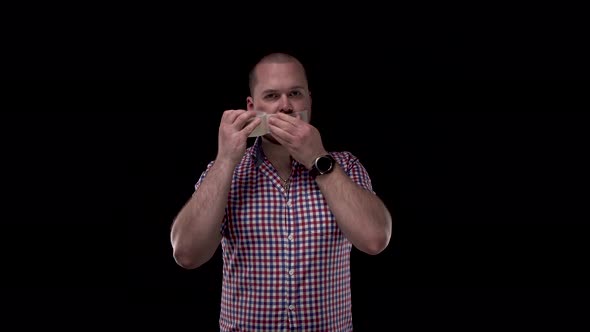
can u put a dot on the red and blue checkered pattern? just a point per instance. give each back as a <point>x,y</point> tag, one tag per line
<point>285,261</point>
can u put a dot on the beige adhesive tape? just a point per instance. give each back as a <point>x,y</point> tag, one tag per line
<point>263,129</point>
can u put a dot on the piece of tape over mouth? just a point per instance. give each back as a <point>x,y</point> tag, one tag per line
<point>263,128</point>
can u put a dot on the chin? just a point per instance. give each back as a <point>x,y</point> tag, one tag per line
<point>271,139</point>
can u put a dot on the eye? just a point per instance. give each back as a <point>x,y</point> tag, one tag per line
<point>270,96</point>
<point>296,93</point>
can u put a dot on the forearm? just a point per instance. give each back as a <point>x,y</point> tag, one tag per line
<point>195,232</point>
<point>360,214</point>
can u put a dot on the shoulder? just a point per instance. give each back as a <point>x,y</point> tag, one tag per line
<point>352,166</point>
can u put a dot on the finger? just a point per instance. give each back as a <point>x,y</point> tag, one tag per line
<point>225,116</point>
<point>243,118</point>
<point>248,129</point>
<point>290,118</point>
<point>283,136</point>
<point>279,121</point>
<point>230,116</point>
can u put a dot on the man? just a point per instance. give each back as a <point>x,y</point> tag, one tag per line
<point>285,211</point>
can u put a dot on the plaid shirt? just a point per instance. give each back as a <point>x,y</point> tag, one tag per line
<point>285,261</point>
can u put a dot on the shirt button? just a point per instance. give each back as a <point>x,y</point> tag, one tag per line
<point>291,272</point>
<point>290,237</point>
<point>289,203</point>
<point>291,307</point>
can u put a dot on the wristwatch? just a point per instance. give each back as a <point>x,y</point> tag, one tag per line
<point>322,165</point>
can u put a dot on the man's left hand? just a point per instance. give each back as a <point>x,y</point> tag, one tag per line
<point>302,140</point>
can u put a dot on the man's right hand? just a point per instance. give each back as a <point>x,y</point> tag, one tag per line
<point>233,134</point>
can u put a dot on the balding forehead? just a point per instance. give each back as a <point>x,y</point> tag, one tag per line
<point>282,62</point>
<point>283,72</point>
<point>275,58</point>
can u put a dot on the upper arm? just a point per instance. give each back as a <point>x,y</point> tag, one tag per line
<point>196,187</point>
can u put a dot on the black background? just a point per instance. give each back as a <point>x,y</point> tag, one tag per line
<point>474,138</point>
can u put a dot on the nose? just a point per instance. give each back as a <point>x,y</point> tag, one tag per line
<point>285,105</point>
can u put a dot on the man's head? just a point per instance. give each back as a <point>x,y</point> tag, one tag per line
<point>278,83</point>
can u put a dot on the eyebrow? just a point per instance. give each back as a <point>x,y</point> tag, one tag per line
<point>291,88</point>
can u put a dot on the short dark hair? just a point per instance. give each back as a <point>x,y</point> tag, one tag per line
<point>276,57</point>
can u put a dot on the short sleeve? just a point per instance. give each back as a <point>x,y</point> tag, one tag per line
<point>203,175</point>
<point>357,172</point>
<point>201,178</point>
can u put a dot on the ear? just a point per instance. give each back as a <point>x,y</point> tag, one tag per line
<point>249,103</point>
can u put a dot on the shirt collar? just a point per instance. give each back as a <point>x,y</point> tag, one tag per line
<point>258,155</point>
<point>257,152</point>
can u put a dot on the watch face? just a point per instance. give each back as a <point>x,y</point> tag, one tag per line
<point>324,164</point>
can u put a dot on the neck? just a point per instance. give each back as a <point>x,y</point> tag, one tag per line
<point>277,154</point>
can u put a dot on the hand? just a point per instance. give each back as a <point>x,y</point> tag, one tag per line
<point>302,140</point>
<point>233,134</point>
